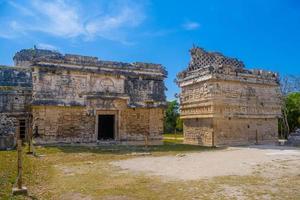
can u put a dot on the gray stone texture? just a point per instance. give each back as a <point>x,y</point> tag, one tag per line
<point>222,103</point>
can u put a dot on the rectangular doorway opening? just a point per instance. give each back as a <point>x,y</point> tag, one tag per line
<point>106,127</point>
<point>22,125</point>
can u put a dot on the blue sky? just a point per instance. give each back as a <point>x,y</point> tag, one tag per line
<point>264,34</point>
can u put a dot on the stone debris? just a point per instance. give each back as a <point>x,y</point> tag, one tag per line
<point>7,125</point>
<point>7,132</point>
<point>294,138</point>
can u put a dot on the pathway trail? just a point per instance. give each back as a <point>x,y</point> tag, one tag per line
<point>240,161</point>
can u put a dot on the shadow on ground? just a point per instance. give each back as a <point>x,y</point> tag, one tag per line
<point>125,149</point>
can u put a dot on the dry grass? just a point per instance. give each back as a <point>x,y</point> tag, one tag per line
<point>85,173</point>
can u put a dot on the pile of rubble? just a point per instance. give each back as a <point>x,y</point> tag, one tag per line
<point>7,132</point>
<point>294,138</point>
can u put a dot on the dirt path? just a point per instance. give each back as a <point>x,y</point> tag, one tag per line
<point>268,160</point>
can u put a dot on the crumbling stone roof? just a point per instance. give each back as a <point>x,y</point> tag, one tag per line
<point>201,58</point>
<point>205,63</point>
<point>32,54</point>
<point>41,57</point>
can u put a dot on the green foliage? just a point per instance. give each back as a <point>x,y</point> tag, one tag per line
<point>172,120</point>
<point>179,124</point>
<point>292,102</point>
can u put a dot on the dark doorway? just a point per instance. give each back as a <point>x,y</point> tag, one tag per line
<point>106,127</point>
<point>22,125</point>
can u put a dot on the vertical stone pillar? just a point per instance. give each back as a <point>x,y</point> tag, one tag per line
<point>20,189</point>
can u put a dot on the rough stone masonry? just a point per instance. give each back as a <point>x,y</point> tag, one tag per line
<point>76,99</point>
<point>222,103</point>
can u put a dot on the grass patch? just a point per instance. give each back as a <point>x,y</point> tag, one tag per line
<point>66,172</point>
<point>172,135</point>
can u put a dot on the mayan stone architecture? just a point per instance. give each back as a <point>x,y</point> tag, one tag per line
<point>222,103</point>
<point>81,99</point>
<point>15,98</point>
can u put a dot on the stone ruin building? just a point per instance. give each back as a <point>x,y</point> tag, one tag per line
<point>81,99</point>
<point>222,103</point>
<point>15,98</point>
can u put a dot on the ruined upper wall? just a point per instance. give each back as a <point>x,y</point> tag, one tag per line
<point>201,58</point>
<point>15,76</point>
<point>47,58</point>
<point>73,79</point>
<point>205,65</point>
<point>223,90</point>
<point>26,57</point>
<point>15,89</point>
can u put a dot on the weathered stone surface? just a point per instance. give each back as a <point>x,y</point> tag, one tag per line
<point>15,99</point>
<point>7,131</point>
<point>224,104</point>
<point>7,125</point>
<point>70,91</point>
<point>201,58</point>
<point>294,138</point>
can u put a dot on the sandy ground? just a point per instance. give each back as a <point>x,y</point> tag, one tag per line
<point>270,161</point>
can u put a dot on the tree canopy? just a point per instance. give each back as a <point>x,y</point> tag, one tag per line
<point>172,121</point>
<point>293,110</point>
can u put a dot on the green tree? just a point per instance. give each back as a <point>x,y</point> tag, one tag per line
<point>293,110</point>
<point>290,87</point>
<point>172,114</point>
<point>179,124</point>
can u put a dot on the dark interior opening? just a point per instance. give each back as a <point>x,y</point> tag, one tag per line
<point>22,125</point>
<point>106,127</point>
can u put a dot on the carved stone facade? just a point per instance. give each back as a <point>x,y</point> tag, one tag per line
<point>83,99</point>
<point>15,98</point>
<point>222,103</point>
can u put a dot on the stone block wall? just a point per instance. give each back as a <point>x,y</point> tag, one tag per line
<point>238,131</point>
<point>56,124</point>
<point>139,122</point>
<point>198,131</point>
<point>15,89</point>
<point>222,103</point>
<point>224,131</point>
<point>64,94</point>
<point>144,89</point>
<point>15,100</point>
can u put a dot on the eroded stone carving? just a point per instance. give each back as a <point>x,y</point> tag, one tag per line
<point>69,91</point>
<point>222,103</point>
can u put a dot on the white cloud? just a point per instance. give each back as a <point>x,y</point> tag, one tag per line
<point>57,18</point>
<point>46,46</point>
<point>190,25</point>
<point>107,26</point>
<point>22,9</point>
<point>68,19</point>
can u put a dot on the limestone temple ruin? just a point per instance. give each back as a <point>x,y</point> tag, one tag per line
<point>81,99</point>
<point>72,98</point>
<point>222,103</point>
